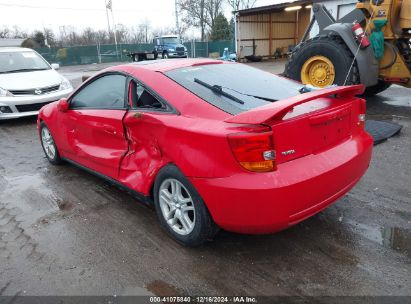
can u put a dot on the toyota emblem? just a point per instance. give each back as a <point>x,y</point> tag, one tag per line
<point>37,91</point>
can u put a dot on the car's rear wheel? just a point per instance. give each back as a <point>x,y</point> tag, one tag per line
<point>181,210</point>
<point>49,146</point>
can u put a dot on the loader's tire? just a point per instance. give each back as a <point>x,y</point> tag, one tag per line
<point>322,61</point>
<point>378,88</point>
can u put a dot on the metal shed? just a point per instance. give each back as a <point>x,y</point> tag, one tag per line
<point>265,30</point>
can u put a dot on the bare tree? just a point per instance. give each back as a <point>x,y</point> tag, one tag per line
<point>122,33</point>
<point>194,14</point>
<point>200,13</point>
<point>14,32</point>
<point>49,37</point>
<point>18,33</point>
<point>101,36</point>
<point>72,37</point>
<point>241,4</point>
<point>5,32</point>
<point>89,36</point>
<point>164,31</point>
<point>142,33</point>
<point>213,9</point>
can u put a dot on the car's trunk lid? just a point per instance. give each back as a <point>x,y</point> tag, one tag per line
<point>308,123</point>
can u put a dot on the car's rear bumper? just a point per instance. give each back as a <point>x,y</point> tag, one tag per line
<point>269,202</point>
<point>28,105</point>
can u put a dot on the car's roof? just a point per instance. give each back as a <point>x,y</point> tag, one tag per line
<point>14,49</point>
<point>165,65</point>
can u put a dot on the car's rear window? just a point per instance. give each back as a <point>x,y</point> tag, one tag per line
<point>239,80</point>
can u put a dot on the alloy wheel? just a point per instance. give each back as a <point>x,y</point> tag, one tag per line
<point>177,206</point>
<point>48,143</point>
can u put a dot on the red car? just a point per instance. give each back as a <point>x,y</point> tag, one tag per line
<point>212,144</point>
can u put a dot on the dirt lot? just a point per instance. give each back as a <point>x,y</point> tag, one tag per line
<point>66,232</point>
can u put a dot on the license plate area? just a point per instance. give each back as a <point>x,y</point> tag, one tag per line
<point>330,129</point>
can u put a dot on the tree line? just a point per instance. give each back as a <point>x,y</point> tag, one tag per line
<point>205,15</point>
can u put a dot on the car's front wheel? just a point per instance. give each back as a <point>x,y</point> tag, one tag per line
<point>181,210</point>
<point>165,55</point>
<point>49,146</point>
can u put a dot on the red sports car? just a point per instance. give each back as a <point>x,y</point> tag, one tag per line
<point>212,144</point>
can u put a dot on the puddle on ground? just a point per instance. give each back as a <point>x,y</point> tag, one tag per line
<point>163,289</point>
<point>396,96</point>
<point>398,102</point>
<point>395,238</point>
<point>132,291</point>
<point>65,206</point>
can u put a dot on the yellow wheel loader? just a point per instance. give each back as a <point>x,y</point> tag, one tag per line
<point>370,45</point>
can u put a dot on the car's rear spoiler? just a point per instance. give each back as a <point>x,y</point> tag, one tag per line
<point>277,110</point>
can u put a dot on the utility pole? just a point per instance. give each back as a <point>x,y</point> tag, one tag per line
<point>177,22</point>
<point>108,5</point>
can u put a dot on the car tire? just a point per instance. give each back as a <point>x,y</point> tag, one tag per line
<point>181,210</point>
<point>49,146</point>
<point>165,55</point>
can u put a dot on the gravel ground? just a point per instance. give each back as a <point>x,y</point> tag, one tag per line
<point>66,232</point>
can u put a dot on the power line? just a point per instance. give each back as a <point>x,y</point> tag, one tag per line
<point>50,7</point>
<point>61,8</point>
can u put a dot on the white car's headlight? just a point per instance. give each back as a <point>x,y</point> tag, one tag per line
<point>65,84</point>
<point>185,49</point>
<point>5,93</point>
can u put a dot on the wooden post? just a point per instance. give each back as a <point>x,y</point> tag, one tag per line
<point>296,27</point>
<point>270,36</point>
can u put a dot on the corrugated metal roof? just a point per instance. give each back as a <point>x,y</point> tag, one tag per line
<point>273,7</point>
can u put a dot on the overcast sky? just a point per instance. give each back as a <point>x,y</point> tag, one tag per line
<point>35,14</point>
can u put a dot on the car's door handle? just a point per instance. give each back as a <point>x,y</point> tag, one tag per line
<point>110,130</point>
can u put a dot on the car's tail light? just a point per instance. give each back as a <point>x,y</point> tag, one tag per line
<point>254,150</point>
<point>361,116</point>
<point>361,120</point>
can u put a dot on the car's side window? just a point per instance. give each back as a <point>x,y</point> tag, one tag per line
<point>141,98</point>
<point>106,92</point>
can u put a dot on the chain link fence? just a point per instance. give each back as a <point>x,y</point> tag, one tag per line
<point>90,54</point>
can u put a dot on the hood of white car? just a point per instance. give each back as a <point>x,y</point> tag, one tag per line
<point>29,80</point>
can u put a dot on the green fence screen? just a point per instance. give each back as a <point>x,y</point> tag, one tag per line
<point>89,54</point>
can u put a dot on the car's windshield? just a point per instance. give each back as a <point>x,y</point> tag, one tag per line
<point>21,62</point>
<point>224,85</point>
<point>171,40</point>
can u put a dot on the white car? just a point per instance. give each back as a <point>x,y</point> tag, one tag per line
<point>28,82</point>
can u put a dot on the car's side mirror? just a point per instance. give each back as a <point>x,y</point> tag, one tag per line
<point>63,105</point>
<point>55,66</point>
